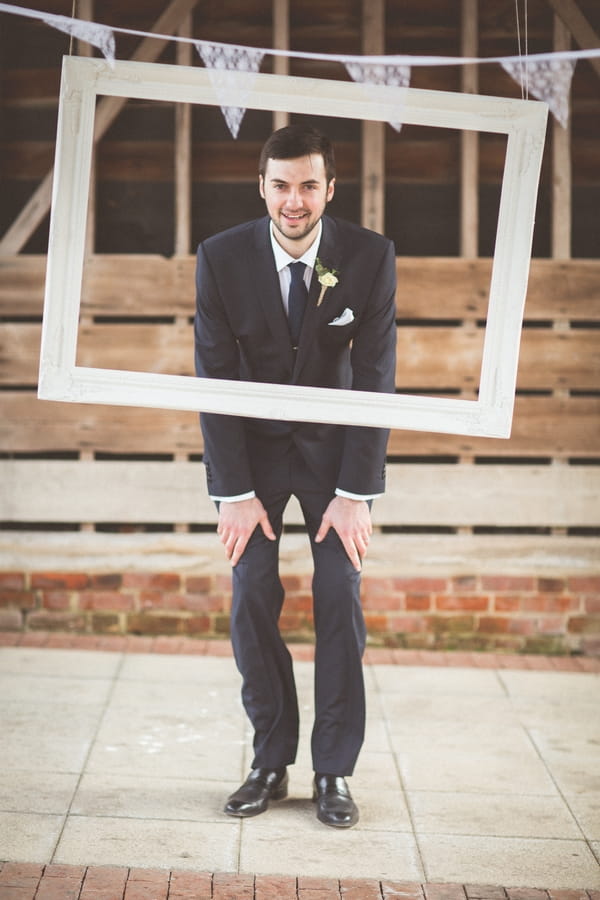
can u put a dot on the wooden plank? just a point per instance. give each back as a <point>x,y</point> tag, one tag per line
<point>183,153</point>
<point>578,25</point>
<point>174,492</point>
<point>548,426</point>
<point>406,555</point>
<point>281,41</point>
<point>107,110</point>
<point>561,166</point>
<point>428,287</point>
<point>373,133</point>
<point>469,173</point>
<point>431,358</point>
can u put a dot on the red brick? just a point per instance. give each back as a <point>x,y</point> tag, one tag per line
<point>275,887</point>
<point>551,625</point>
<point>9,639</point>
<point>548,585</point>
<point>360,889</point>
<point>291,583</point>
<point>376,624</point>
<point>405,891</point>
<point>18,599</point>
<point>197,625</point>
<point>526,894</point>
<point>419,585</point>
<point>592,605</point>
<point>493,624</point>
<point>522,625</point>
<point>59,581</point>
<point>402,624</point>
<point>190,886</point>
<point>8,892</point>
<point>507,603</point>
<point>11,620</point>
<point>464,583</point>
<point>550,603</point>
<point>60,886</point>
<point>199,584</point>
<point>383,602</point>
<point>20,874</point>
<point>223,582</point>
<point>567,895</point>
<point>485,892</point>
<point>300,602</point>
<point>55,600</point>
<point>450,624</point>
<point>462,602</point>
<point>206,602</point>
<point>444,892</point>
<point>311,883</point>
<point>12,581</point>
<point>106,600</point>
<point>157,599</point>
<point>589,584</point>
<point>418,602</point>
<point>102,883</point>
<point>233,887</point>
<point>161,581</point>
<point>507,583</point>
<point>54,621</point>
<point>584,624</point>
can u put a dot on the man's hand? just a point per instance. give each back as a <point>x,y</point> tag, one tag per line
<point>351,519</point>
<point>237,522</point>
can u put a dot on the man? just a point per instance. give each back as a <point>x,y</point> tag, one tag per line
<point>251,325</point>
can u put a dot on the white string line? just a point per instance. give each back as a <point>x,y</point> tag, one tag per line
<point>326,57</point>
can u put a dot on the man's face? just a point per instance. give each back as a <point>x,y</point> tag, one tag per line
<point>296,193</point>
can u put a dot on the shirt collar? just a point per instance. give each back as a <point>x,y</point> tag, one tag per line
<point>283,259</point>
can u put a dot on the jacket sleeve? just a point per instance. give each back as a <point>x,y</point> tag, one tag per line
<point>373,360</point>
<point>217,356</point>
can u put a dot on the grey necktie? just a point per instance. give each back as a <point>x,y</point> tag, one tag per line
<point>296,300</point>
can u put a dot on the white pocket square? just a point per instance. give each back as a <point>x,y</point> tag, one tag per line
<point>346,317</point>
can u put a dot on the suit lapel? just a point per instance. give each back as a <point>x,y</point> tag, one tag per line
<point>329,253</point>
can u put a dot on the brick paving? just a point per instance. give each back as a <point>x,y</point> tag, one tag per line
<point>27,881</point>
<point>373,655</point>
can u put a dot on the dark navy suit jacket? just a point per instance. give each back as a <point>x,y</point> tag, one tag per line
<point>241,332</point>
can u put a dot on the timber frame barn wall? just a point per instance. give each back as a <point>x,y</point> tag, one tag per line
<point>105,525</point>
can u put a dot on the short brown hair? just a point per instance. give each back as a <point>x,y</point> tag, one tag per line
<point>294,141</point>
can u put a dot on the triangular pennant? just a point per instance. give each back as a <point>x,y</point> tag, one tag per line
<point>548,80</point>
<point>381,73</point>
<point>101,36</point>
<point>221,61</point>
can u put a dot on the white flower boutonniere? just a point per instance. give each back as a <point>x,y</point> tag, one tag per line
<point>327,279</point>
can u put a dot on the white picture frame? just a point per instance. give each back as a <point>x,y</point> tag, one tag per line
<point>490,415</point>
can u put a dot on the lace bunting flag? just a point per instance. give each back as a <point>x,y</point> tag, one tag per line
<point>220,62</point>
<point>548,80</point>
<point>101,36</point>
<point>380,73</point>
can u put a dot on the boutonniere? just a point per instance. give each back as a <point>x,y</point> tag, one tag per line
<point>327,278</point>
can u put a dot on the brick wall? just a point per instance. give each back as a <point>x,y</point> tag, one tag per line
<point>484,612</point>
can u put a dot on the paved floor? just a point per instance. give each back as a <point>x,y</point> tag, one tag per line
<point>471,775</point>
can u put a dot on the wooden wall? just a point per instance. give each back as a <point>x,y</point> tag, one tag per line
<point>105,469</point>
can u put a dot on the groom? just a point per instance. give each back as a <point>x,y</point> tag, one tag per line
<point>297,297</point>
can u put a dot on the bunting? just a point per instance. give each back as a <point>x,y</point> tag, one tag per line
<point>547,76</point>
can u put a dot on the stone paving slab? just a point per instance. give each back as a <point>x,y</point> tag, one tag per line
<point>115,757</point>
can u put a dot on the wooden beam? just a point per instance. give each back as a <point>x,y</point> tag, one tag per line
<point>107,110</point>
<point>580,28</point>
<point>469,162</point>
<point>373,133</point>
<point>183,154</point>
<point>281,41</point>
<point>561,165</point>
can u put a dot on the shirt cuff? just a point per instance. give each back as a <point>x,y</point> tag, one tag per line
<point>235,499</point>
<point>349,496</point>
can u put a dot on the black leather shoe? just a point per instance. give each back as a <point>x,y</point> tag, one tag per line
<point>335,805</point>
<point>261,785</point>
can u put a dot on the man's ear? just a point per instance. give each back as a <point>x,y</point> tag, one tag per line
<point>261,186</point>
<point>330,189</point>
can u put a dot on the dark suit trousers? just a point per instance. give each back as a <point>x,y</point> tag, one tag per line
<point>268,688</point>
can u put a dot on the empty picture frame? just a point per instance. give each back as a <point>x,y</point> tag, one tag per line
<point>84,79</point>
